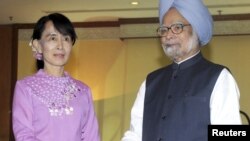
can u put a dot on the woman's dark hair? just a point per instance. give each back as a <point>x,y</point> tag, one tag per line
<point>61,23</point>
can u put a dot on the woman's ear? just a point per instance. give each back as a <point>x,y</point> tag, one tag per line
<point>36,47</point>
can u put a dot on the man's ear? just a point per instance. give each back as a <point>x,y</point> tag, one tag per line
<point>36,46</point>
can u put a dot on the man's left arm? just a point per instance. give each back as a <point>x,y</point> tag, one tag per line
<point>224,102</point>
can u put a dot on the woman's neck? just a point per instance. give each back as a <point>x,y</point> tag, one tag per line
<point>55,71</point>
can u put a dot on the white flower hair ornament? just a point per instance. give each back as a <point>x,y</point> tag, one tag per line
<point>36,53</point>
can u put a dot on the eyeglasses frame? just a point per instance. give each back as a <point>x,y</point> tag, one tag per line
<point>170,28</point>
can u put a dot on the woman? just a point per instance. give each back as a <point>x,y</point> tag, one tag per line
<point>51,105</point>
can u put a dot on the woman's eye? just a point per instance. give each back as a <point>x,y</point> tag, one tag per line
<point>67,39</point>
<point>53,38</point>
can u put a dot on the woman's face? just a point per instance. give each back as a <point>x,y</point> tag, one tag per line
<point>54,46</point>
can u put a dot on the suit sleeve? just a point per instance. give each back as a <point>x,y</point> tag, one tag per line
<point>135,131</point>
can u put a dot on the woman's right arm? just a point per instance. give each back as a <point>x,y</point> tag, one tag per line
<point>22,114</point>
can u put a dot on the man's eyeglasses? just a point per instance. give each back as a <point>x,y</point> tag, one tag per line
<point>175,28</point>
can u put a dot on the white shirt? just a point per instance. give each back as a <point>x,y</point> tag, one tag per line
<point>224,106</point>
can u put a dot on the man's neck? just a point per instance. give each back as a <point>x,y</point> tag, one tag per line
<point>179,62</point>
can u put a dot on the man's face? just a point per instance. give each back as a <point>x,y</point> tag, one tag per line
<point>182,45</point>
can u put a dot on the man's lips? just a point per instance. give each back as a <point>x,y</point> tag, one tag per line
<point>169,45</point>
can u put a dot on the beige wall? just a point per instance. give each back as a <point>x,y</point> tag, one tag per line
<point>114,69</point>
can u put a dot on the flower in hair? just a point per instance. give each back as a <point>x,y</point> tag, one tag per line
<point>36,54</point>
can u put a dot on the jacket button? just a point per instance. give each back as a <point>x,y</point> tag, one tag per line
<point>170,96</point>
<point>160,139</point>
<point>163,117</point>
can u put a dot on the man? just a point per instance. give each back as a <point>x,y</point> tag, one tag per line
<point>179,101</point>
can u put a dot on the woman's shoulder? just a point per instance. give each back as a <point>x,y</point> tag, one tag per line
<point>26,79</point>
<point>81,83</point>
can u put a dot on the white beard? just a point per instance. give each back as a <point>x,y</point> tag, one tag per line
<point>174,51</point>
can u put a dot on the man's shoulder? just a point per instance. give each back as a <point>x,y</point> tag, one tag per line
<point>159,71</point>
<point>215,65</point>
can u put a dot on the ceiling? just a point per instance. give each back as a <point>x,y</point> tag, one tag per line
<point>29,11</point>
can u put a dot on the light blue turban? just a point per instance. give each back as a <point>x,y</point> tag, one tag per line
<point>195,12</point>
